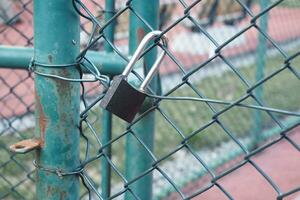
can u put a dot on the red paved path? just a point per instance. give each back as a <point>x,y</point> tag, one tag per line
<point>281,162</point>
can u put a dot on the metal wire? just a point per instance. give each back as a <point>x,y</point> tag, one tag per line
<point>215,118</point>
<point>90,133</point>
<point>16,117</point>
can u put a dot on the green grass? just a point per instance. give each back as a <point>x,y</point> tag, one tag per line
<point>189,116</point>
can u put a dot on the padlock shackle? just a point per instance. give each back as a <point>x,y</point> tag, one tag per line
<point>154,68</point>
<point>138,53</point>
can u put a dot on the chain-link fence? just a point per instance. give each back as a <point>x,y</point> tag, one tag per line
<point>227,91</point>
<point>17,105</point>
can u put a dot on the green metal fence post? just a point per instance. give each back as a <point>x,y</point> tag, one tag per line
<point>110,29</point>
<point>57,42</point>
<point>105,167</point>
<point>137,160</point>
<point>107,116</point>
<point>260,70</point>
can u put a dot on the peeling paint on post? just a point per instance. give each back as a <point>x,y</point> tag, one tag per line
<point>138,160</point>
<point>57,102</point>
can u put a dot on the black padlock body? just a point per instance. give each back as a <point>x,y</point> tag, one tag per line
<point>122,99</point>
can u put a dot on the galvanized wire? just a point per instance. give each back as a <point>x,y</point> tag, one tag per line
<point>260,105</point>
<point>90,133</point>
<point>17,111</point>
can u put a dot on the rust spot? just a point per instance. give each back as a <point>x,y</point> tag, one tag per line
<point>56,191</point>
<point>25,146</point>
<point>63,86</point>
<point>42,119</point>
<point>50,58</point>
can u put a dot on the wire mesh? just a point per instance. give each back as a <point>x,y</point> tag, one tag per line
<point>17,104</point>
<point>206,113</point>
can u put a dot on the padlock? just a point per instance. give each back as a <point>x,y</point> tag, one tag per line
<point>122,99</point>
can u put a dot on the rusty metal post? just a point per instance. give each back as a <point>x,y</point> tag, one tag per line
<point>56,42</point>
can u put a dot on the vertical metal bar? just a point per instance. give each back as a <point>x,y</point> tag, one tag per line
<point>105,167</point>
<point>137,160</point>
<point>56,42</point>
<point>107,116</point>
<point>260,70</point>
<point>110,29</point>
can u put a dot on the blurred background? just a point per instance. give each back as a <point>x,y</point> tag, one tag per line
<point>250,53</point>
